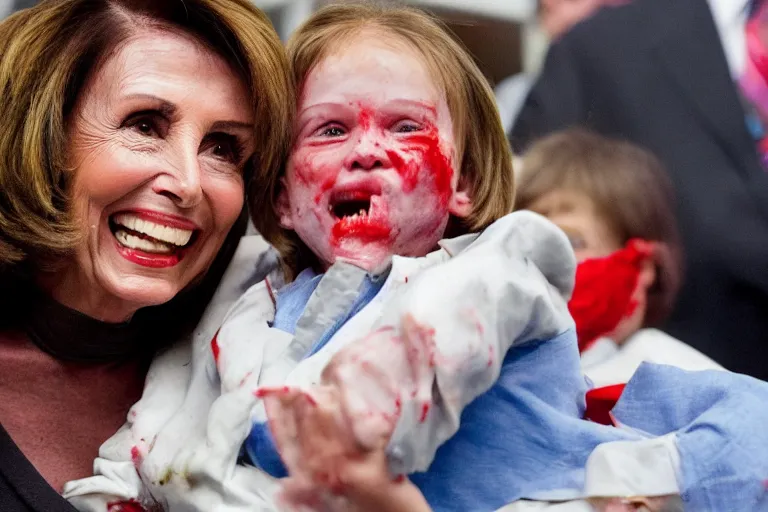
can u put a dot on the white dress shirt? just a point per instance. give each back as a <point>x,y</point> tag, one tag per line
<point>730,19</point>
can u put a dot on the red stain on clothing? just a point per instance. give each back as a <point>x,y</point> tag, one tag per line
<point>490,356</point>
<point>424,412</point>
<point>125,506</point>
<point>398,406</point>
<point>602,296</point>
<point>215,347</point>
<point>135,456</point>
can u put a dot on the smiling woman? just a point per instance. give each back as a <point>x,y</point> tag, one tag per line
<point>130,129</point>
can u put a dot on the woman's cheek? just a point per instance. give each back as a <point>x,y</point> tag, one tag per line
<point>227,196</point>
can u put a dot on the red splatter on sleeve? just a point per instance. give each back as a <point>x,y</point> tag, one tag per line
<point>135,456</point>
<point>215,347</point>
<point>424,412</point>
<point>125,506</point>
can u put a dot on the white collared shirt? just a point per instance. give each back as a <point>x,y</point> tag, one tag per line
<point>730,19</point>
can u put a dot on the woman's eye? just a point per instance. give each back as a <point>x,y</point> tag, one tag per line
<point>146,124</point>
<point>225,147</point>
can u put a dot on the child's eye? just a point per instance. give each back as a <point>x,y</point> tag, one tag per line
<point>577,242</point>
<point>331,131</point>
<point>407,127</point>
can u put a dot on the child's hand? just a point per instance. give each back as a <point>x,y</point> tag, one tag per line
<point>329,469</point>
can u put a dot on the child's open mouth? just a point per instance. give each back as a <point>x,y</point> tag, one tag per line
<point>358,214</point>
<point>350,204</point>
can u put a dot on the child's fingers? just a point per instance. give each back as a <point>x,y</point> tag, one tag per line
<point>279,404</point>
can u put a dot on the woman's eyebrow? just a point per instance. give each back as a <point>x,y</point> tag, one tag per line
<point>232,125</point>
<point>164,106</point>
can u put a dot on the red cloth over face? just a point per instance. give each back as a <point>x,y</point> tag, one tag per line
<point>602,296</point>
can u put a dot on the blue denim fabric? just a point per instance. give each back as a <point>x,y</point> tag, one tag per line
<point>524,438</point>
<point>260,448</point>
<point>721,421</point>
<point>291,300</point>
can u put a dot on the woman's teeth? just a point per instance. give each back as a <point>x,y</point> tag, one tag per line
<point>134,242</point>
<point>167,234</point>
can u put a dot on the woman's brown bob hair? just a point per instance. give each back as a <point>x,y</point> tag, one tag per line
<point>629,188</point>
<point>485,160</point>
<point>47,53</point>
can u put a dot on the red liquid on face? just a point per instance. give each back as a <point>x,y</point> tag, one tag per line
<point>425,150</point>
<point>361,229</point>
<point>365,118</point>
<point>325,187</point>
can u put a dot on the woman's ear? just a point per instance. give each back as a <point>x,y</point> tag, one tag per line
<point>283,207</point>
<point>460,204</point>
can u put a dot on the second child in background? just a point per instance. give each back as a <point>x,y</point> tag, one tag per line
<point>615,203</point>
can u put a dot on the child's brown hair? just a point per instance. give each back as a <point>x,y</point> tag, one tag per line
<point>629,188</point>
<point>485,160</point>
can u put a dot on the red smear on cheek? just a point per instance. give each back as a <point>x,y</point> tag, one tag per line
<point>324,187</point>
<point>424,153</point>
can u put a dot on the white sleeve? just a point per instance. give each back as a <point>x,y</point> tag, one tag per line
<point>173,377</point>
<point>510,286</point>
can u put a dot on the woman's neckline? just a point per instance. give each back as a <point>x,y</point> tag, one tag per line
<point>71,336</point>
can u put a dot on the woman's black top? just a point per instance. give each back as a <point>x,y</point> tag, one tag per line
<point>22,488</point>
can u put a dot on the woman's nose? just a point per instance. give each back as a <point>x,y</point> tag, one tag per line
<point>182,181</point>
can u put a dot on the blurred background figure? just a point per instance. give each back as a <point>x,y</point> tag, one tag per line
<point>555,18</point>
<point>667,75</point>
<point>615,203</point>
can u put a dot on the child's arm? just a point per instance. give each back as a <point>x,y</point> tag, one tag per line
<point>442,340</point>
<point>509,287</point>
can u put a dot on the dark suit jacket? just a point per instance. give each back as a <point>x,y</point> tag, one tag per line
<point>654,72</point>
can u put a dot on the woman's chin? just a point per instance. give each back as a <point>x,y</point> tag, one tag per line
<point>135,292</point>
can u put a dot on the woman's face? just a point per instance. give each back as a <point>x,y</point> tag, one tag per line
<point>159,139</point>
<point>373,170</point>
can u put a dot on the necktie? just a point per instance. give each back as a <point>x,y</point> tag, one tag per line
<point>754,80</point>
